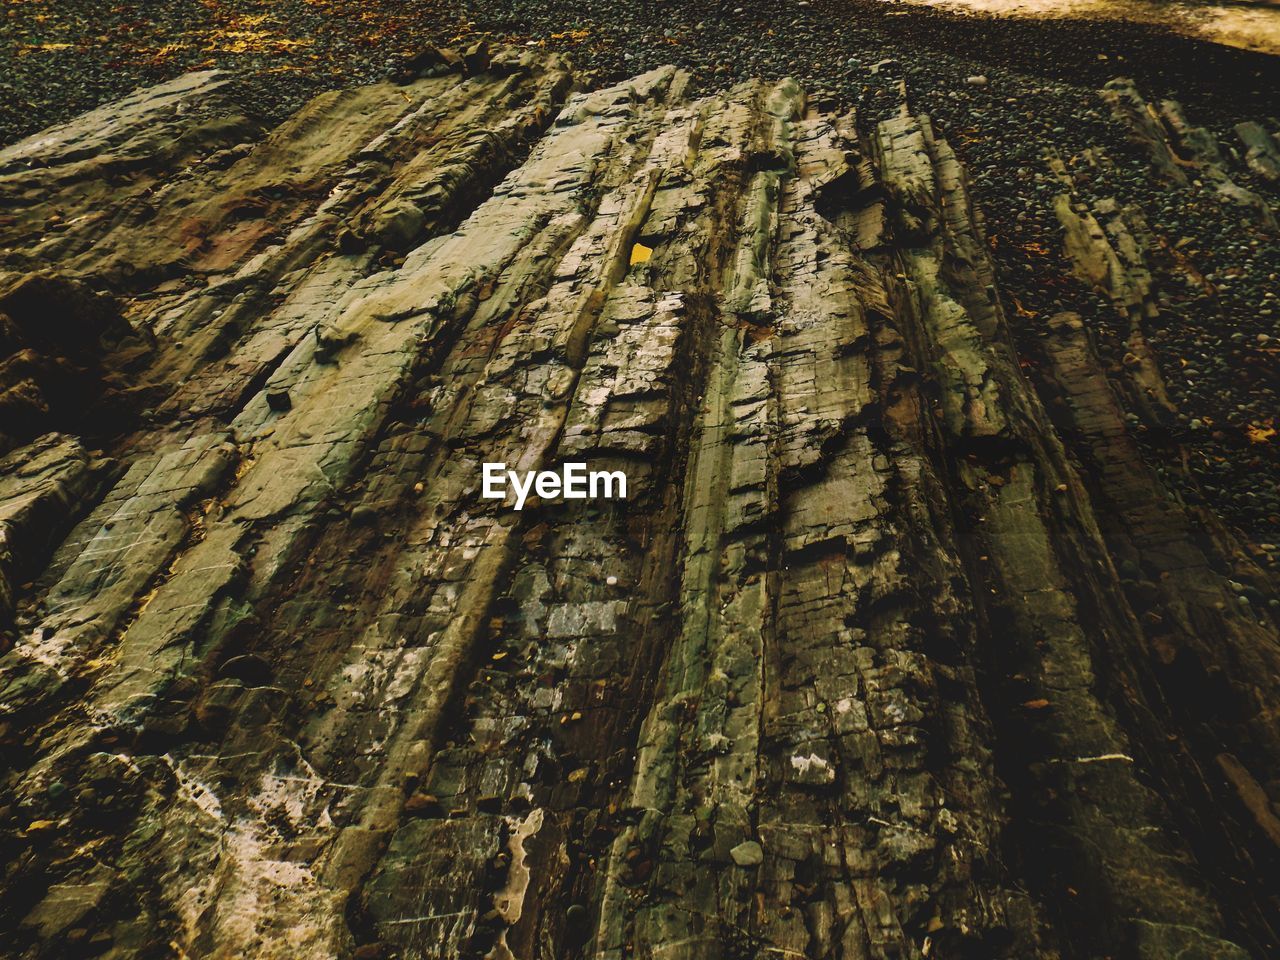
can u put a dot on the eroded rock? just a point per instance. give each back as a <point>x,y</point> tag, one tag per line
<point>865,665</point>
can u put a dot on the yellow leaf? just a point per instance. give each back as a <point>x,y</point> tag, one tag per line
<point>1021,310</point>
<point>640,254</point>
<point>1259,434</point>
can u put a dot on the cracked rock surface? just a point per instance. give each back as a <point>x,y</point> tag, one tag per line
<point>899,646</point>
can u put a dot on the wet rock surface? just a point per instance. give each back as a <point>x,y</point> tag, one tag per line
<point>915,636</point>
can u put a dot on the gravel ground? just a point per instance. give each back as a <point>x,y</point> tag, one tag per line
<point>60,57</point>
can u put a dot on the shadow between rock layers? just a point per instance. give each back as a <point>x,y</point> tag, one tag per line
<point>898,648</point>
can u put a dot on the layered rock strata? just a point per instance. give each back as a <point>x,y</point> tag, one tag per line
<point>896,649</point>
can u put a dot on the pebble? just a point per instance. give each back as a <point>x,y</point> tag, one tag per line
<point>747,854</point>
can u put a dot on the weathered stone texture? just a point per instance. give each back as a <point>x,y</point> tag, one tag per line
<point>879,658</point>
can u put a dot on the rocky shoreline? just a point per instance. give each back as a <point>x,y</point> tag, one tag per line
<point>895,642</point>
<point>920,633</point>
<point>1217,346</point>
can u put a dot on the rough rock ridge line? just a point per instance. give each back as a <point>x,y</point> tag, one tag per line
<point>860,669</point>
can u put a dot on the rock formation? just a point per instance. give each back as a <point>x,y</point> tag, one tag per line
<point>898,647</point>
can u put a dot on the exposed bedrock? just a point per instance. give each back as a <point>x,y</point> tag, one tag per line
<point>899,647</point>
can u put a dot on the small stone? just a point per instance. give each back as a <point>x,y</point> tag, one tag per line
<point>976,81</point>
<point>747,854</point>
<point>423,805</point>
<point>350,243</point>
<point>477,59</point>
<point>399,225</point>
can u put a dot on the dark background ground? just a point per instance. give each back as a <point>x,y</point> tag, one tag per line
<point>60,57</point>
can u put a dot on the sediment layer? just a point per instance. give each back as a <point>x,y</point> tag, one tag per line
<point>899,646</point>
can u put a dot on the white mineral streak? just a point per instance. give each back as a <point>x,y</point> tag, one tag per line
<point>510,902</point>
